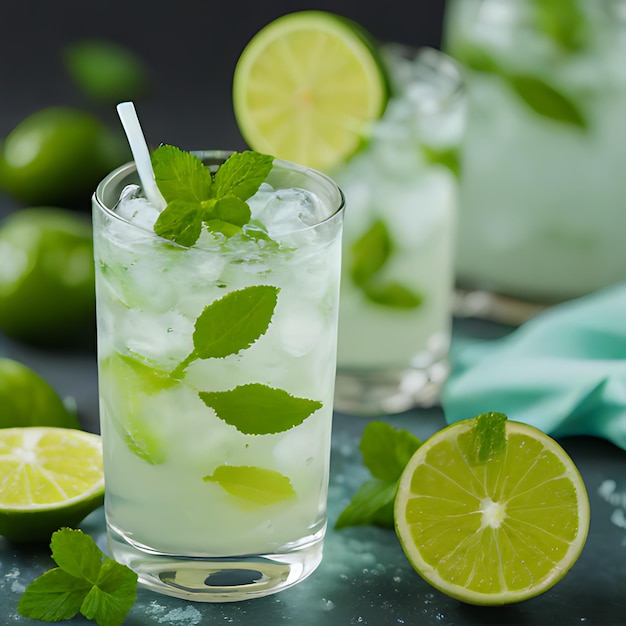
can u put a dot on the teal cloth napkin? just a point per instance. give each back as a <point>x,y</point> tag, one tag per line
<point>563,371</point>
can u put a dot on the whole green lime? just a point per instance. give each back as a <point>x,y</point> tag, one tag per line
<point>27,399</point>
<point>47,277</point>
<point>57,156</point>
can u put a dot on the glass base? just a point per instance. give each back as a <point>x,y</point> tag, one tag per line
<point>370,393</point>
<point>216,579</point>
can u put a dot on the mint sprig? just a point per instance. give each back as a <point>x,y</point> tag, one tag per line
<point>196,197</point>
<point>85,581</point>
<point>386,452</point>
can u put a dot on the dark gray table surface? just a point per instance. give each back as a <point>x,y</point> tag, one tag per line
<point>364,578</point>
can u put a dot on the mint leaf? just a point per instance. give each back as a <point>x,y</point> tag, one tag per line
<point>112,597</point>
<point>195,196</point>
<point>372,505</point>
<point>242,174</point>
<point>393,295</point>
<point>180,175</point>
<point>85,580</point>
<point>545,100</point>
<point>233,210</point>
<point>386,452</point>
<point>77,554</point>
<point>256,485</point>
<point>488,436</point>
<point>181,222</point>
<point>234,322</point>
<point>255,409</point>
<point>53,596</point>
<point>369,253</point>
<point>448,157</point>
<point>563,21</point>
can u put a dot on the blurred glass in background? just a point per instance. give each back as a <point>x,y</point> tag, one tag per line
<point>542,215</point>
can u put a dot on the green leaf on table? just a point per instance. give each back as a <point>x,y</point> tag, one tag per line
<point>546,100</point>
<point>53,596</point>
<point>113,595</point>
<point>369,253</point>
<point>195,196</point>
<point>255,485</point>
<point>85,581</point>
<point>386,452</point>
<point>256,409</point>
<point>371,505</point>
<point>393,295</point>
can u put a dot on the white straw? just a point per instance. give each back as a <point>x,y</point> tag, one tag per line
<point>141,155</point>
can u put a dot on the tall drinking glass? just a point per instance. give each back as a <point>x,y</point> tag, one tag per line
<point>398,271</point>
<point>542,214</point>
<point>216,378</point>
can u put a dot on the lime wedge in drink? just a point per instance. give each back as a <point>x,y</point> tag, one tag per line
<point>306,88</point>
<point>49,477</point>
<point>497,531</point>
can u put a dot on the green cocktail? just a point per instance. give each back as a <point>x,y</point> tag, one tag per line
<point>216,372</point>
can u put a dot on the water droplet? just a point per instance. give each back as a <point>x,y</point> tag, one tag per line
<point>327,605</point>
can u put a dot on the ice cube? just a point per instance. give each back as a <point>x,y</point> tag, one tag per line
<point>287,210</point>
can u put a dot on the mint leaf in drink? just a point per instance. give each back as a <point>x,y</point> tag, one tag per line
<point>386,452</point>
<point>256,485</point>
<point>563,21</point>
<point>545,100</point>
<point>393,295</point>
<point>256,409</point>
<point>196,197</point>
<point>448,157</point>
<point>233,323</point>
<point>488,436</point>
<point>85,581</point>
<point>369,253</point>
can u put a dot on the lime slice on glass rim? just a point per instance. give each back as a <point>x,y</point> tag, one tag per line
<point>493,532</point>
<point>306,88</point>
<point>49,477</point>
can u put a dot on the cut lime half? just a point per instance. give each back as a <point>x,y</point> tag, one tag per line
<point>49,477</point>
<point>306,88</point>
<point>496,532</point>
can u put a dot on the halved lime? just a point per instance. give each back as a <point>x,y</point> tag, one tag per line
<point>306,88</point>
<point>49,477</point>
<point>496,532</point>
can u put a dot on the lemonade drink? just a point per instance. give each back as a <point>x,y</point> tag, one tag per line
<point>542,192</point>
<point>216,373</point>
<point>396,290</point>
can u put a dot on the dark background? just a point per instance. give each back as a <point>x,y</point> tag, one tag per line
<point>190,47</point>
